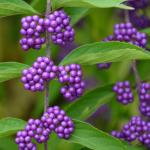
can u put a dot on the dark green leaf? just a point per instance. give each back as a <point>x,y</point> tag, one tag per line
<point>90,102</point>
<point>10,126</point>
<point>13,7</point>
<point>75,17</point>
<point>100,52</point>
<point>90,3</point>
<point>10,70</point>
<point>93,138</point>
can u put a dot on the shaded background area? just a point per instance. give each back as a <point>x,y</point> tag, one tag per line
<point>16,102</point>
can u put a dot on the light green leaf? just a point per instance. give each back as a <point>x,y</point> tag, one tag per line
<point>84,107</point>
<point>90,3</point>
<point>92,138</point>
<point>13,7</point>
<point>10,70</point>
<point>100,52</point>
<point>76,13</point>
<point>9,126</point>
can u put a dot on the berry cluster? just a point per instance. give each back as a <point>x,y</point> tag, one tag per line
<point>32,30</point>
<point>135,129</point>
<point>138,4</point>
<point>57,24</point>
<point>71,76</point>
<point>54,119</point>
<point>123,92</point>
<point>137,16</point>
<point>125,32</point>
<point>144,97</point>
<point>42,70</point>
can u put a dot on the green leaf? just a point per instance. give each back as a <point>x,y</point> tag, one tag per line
<point>90,3</point>
<point>8,143</point>
<point>93,138</point>
<point>13,7</point>
<point>90,102</point>
<point>10,70</point>
<point>10,126</point>
<point>147,31</point>
<point>75,17</point>
<point>100,52</point>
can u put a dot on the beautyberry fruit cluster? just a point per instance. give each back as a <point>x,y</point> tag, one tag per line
<point>123,92</point>
<point>58,24</point>
<point>71,77</point>
<point>144,97</point>
<point>32,31</point>
<point>54,119</point>
<point>42,70</point>
<point>34,28</point>
<point>135,129</point>
<point>137,16</point>
<point>125,32</point>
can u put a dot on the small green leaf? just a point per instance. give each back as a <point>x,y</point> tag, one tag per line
<point>10,126</point>
<point>90,3</point>
<point>75,17</point>
<point>10,70</point>
<point>100,52</point>
<point>13,7</point>
<point>92,138</point>
<point>90,102</point>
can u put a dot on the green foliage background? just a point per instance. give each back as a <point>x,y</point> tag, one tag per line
<point>95,25</point>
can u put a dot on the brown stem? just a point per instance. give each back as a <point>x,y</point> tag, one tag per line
<point>136,74</point>
<point>48,54</point>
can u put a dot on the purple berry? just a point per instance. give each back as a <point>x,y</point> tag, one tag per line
<point>123,92</point>
<point>58,24</point>
<point>42,70</point>
<point>71,76</point>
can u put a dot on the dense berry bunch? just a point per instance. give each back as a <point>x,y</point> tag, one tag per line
<point>71,76</point>
<point>139,20</point>
<point>136,129</point>
<point>123,92</point>
<point>125,32</point>
<point>33,130</point>
<point>138,4</point>
<point>144,97</point>
<point>54,119</point>
<point>41,71</point>
<point>58,24</point>
<point>32,31</point>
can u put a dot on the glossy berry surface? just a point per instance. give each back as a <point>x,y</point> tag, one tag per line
<point>32,31</point>
<point>125,32</point>
<point>71,77</point>
<point>123,92</point>
<point>133,130</point>
<point>144,97</point>
<point>58,25</point>
<point>54,119</point>
<point>42,70</point>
